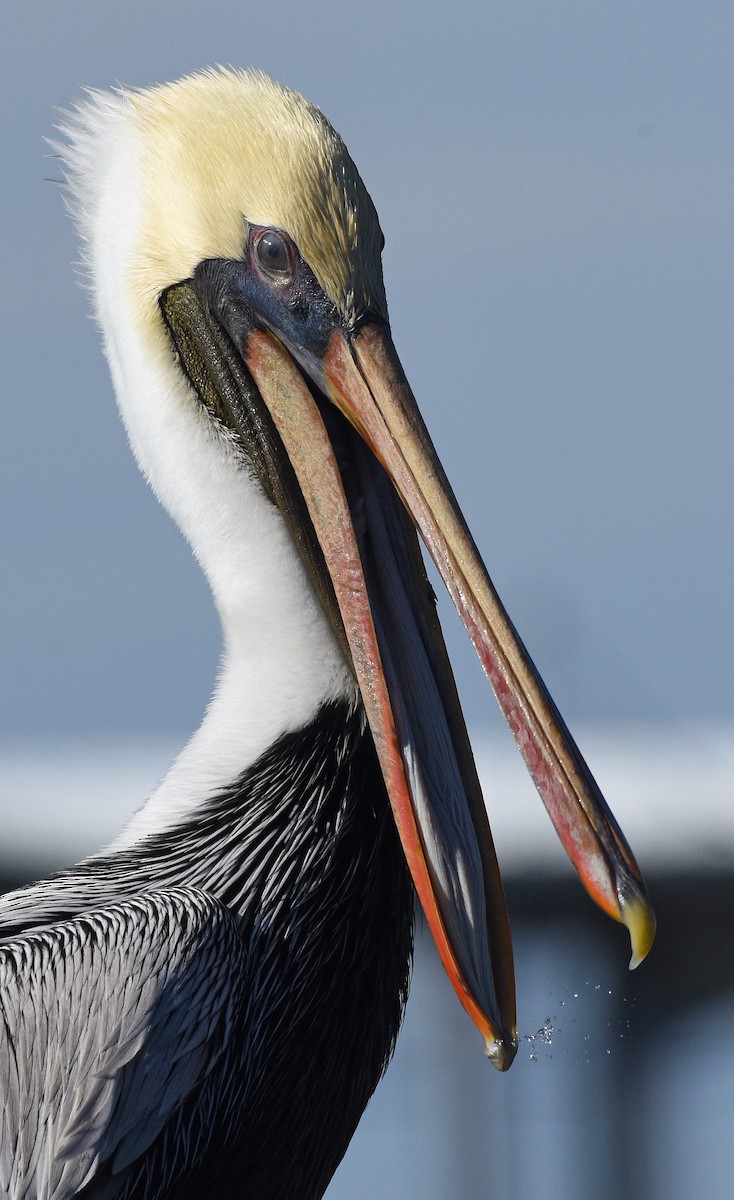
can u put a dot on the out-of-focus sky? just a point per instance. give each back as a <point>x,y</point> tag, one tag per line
<point>555,184</point>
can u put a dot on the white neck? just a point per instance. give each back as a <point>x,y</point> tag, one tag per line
<point>280,660</point>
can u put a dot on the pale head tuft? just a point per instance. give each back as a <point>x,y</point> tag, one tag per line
<point>211,152</point>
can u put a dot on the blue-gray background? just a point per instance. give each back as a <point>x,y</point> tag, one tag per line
<point>555,183</point>
<point>555,180</point>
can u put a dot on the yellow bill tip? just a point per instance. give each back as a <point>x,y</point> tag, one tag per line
<point>639,918</point>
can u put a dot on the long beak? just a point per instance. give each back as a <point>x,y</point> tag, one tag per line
<point>406,687</point>
<point>393,638</point>
<point>365,379</point>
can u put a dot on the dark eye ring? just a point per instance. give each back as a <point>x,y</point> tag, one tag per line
<point>273,254</point>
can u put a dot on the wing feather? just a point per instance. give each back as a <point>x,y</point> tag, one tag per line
<point>109,1024</point>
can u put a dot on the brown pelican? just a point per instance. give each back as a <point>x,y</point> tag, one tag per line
<point>204,1008</point>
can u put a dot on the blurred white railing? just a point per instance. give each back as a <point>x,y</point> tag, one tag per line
<point>671,790</point>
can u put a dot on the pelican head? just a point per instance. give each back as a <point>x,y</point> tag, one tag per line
<point>235,262</point>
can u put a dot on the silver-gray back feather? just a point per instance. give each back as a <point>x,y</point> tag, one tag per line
<point>108,1023</point>
<point>205,1014</point>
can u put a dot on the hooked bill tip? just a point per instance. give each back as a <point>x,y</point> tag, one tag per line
<point>500,1053</point>
<point>640,921</point>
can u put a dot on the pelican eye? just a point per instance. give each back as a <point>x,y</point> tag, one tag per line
<point>273,255</point>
